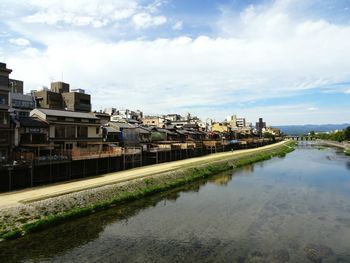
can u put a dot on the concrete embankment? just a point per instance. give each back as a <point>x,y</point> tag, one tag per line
<point>30,210</point>
<point>343,145</point>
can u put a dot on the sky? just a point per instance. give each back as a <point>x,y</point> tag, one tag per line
<point>287,61</point>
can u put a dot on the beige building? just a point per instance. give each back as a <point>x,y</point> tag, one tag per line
<point>69,130</point>
<point>222,127</point>
<point>154,121</point>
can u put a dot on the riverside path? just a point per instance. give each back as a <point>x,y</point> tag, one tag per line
<point>48,191</point>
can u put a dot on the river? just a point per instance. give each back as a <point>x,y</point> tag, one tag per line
<point>295,209</point>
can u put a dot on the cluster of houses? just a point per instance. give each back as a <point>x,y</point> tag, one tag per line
<point>58,123</point>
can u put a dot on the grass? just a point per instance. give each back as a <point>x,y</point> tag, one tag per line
<point>152,187</point>
<point>347,152</point>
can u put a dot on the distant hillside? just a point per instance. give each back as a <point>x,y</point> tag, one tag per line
<point>303,129</point>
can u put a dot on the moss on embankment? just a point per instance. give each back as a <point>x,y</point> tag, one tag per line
<point>347,152</point>
<point>43,214</point>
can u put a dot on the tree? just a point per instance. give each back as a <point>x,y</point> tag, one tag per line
<point>338,136</point>
<point>312,133</point>
<point>347,133</point>
<point>269,136</point>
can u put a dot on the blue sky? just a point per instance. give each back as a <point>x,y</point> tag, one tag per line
<point>285,60</point>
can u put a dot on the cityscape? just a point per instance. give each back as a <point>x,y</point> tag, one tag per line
<point>175,131</point>
<point>57,126</point>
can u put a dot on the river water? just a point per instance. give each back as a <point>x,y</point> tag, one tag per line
<point>295,209</point>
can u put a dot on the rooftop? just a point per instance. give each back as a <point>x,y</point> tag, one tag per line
<point>63,113</point>
<point>32,122</point>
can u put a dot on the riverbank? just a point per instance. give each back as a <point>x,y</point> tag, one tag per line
<point>31,210</point>
<point>343,145</point>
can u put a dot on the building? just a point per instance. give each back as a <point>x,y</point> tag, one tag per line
<point>154,121</point>
<point>47,99</point>
<point>128,135</point>
<point>232,120</point>
<point>59,87</point>
<point>222,127</point>
<point>77,101</point>
<point>16,86</point>
<point>241,123</point>
<point>20,104</point>
<point>104,117</point>
<point>59,97</point>
<point>69,130</point>
<point>173,117</point>
<point>5,126</point>
<point>260,126</point>
<point>273,131</point>
<point>125,115</point>
<point>31,132</point>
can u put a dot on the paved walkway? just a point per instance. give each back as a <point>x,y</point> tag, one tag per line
<point>43,192</point>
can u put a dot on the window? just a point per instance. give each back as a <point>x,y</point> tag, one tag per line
<point>97,130</point>
<point>60,132</point>
<point>69,146</point>
<point>4,118</point>
<point>3,99</point>
<point>71,132</point>
<point>86,102</point>
<point>4,81</point>
<point>82,132</point>
<point>4,137</point>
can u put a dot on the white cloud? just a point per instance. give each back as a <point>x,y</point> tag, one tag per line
<point>19,41</point>
<point>261,53</point>
<point>145,20</point>
<point>312,109</point>
<point>80,12</point>
<point>178,25</point>
<point>347,91</point>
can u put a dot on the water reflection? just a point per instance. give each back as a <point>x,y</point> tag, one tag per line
<point>293,209</point>
<point>87,229</point>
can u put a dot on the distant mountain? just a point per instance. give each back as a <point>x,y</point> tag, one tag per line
<point>304,129</point>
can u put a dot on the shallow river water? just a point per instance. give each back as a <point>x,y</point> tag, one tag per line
<point>295,209</point>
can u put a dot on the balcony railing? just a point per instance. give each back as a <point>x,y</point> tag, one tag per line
<point>82,154</point>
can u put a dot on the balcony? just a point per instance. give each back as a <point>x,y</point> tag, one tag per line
<point>86,154</point>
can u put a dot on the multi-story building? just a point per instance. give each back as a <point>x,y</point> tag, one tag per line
<point>5,127</point>
<point>69,130</point>
<point>20,104</point>
<point>59,97</point>
<point>173,117</point>
<point>232,120</point>
<point>59,87</point>
<point>31,133</point>
<point>222,127</point>
<point>16,86</point>
<point>154,121</point>
<point>124,115</point>
<point>47,99</point>
<point>260,126</point>
<point>77,100</point>
<point>241,122</point>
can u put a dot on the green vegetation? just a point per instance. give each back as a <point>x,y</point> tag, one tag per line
<point>151,187</point>
<point>347,152</point>
<point>338,136</point>
<point>347,133</point>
